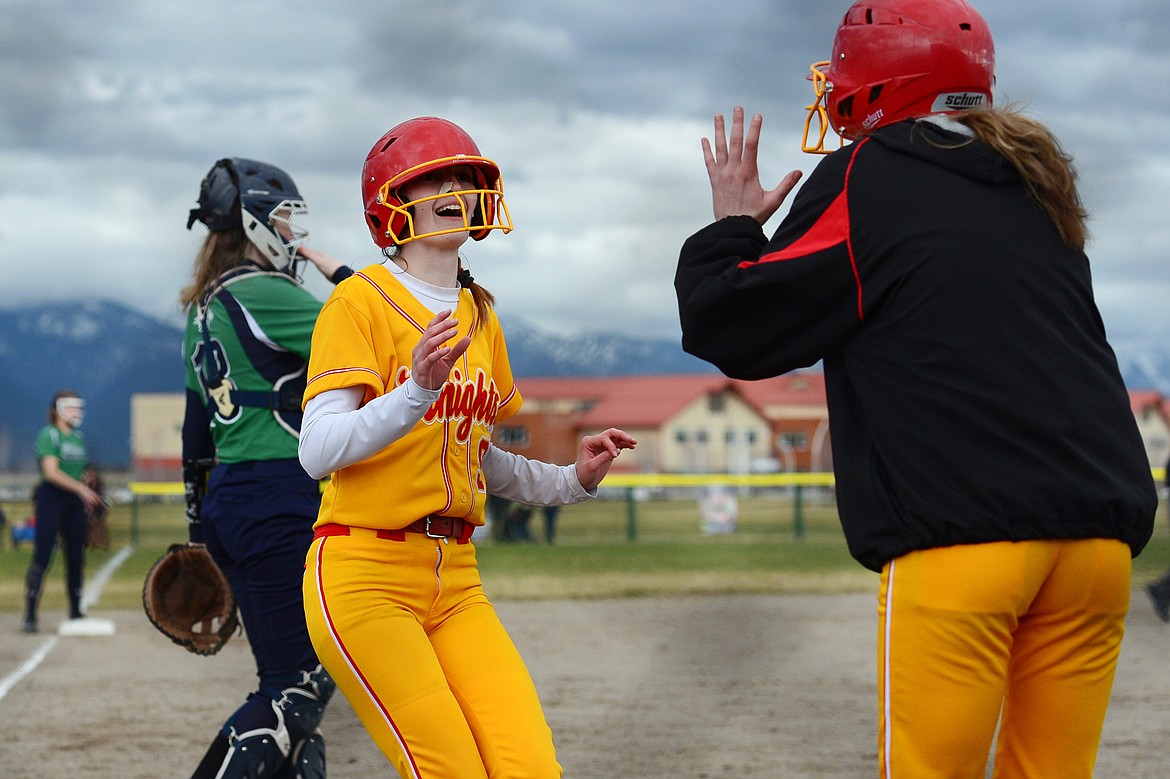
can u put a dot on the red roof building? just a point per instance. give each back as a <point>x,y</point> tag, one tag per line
<point>704,423</point>
<point>1151,410</point>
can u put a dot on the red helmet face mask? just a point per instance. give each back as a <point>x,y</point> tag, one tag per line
<point>412,150</point>
<point>898,59</point>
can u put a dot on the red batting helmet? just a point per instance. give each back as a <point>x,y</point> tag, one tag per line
<point>413,149</point>
<point>897,59</point>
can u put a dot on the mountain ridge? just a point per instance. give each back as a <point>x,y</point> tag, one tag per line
<point>107,352</point>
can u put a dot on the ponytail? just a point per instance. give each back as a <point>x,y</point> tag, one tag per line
<point>1047,171</point>
<point>220,252</point>
<point>484,300</point>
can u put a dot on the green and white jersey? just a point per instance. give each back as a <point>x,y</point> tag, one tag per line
<point>250,368</point>
<point>68,448</point>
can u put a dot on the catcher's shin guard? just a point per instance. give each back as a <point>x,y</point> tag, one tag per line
<point>264,732</point>
<point>257,742</point>
<point>303,706</point>
<point>307,760</point>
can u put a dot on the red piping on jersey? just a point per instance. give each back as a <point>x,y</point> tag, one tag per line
<point>830,229</point>
<point>414,770</point>
<point>391,303</point>
<point>333,371</point>
<point>447,483</point>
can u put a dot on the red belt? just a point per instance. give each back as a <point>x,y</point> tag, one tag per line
<point>432,526</point>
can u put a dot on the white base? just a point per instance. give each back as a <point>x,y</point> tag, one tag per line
<point>86,626</point>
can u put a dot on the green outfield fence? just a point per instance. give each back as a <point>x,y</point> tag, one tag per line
<point>626,484</point>
<point>151,489</point>
<point>796,481</point>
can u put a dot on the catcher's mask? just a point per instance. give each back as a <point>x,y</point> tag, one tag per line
<point>260,198</point>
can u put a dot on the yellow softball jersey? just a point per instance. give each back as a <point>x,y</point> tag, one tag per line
<point>364,337</point>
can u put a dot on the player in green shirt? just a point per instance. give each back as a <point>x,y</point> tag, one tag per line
<point>246,347</point>
<point>60,503</point>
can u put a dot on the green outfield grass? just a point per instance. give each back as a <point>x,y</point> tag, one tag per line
<point>594,555</point>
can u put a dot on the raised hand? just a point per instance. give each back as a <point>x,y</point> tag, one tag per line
<point>734,174</point>
<point>433,358</point>
<point>598,452</point>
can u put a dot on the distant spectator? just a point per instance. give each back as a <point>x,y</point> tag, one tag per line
<point>1159,590</point>
<point>23,532</point>
<point>497,516</point>
<point>509,519</point>
<point>719,509</point>
<point>518,519</point>
<point>550,523</point>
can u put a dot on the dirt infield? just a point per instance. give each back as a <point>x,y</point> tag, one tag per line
<point>700,686</point>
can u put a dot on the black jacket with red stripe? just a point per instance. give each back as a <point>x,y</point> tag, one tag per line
<point>972,394</point>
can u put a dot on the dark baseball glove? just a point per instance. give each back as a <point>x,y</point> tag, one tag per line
<point>189,599</point>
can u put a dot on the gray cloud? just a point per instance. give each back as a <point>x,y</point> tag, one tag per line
<point>113,112</point>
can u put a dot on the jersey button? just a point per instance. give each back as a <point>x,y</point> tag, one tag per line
<point>463,497</point>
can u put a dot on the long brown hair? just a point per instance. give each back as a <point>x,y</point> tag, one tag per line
<point>221,251</point>
<point>1044,166</point>
<point>484,300</point>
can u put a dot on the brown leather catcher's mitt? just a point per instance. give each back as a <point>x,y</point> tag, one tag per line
<point>189,599</point>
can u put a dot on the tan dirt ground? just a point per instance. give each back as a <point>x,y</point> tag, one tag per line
<point>699,686</point>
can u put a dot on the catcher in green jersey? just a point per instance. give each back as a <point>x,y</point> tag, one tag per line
<point>246,347</point>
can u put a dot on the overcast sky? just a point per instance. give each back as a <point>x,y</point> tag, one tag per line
<point>112,111</point>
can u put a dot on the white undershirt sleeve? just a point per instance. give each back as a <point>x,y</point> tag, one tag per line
<point>534,482</point>
<point>338,431</point>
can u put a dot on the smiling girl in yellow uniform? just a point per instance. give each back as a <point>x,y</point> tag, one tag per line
<point>409,374</point>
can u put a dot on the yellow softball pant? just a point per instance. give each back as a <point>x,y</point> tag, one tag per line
<point>405,629</point>
<point>1025,633</point>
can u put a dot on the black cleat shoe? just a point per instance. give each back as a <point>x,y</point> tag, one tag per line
<point>30,626</point>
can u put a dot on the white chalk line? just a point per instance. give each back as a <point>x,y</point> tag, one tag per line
<point>89,596</point>
<point>93,588</point>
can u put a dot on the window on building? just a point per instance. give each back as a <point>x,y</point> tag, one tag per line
<point>510,436</point>
<point>701,436</point>
<point>716,402</point>
<point>796,440</point>
<point>680,436</point>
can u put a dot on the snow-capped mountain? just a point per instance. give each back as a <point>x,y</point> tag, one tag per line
<point>1145,364</point>
<point>103,351</point>
<point>107,352</point>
